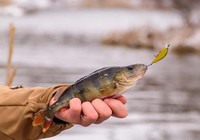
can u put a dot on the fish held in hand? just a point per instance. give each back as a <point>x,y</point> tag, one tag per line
<point>103,83</point>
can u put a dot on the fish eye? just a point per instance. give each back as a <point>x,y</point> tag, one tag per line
<point>130,68</point>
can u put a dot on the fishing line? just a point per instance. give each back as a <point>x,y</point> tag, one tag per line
<point>164,51</point>
<point>182,30</point>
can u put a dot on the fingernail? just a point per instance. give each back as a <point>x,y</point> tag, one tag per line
<point>106,100</point>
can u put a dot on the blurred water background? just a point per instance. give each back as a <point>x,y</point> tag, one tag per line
<point>57,44</point>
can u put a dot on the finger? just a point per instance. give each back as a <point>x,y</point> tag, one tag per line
<point>72,114</point>
<point>117,107</point>
<point>89,115</point>
<point>102,109</point>
<point>122,99</point>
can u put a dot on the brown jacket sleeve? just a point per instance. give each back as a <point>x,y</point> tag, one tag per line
<point>18,108</point>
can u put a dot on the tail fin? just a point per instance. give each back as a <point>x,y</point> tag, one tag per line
<point>44,120</point>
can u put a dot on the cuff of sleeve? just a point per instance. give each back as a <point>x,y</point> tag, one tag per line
<point>57,125</point>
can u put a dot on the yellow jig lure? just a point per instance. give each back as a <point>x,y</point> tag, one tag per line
<point>160,55</point>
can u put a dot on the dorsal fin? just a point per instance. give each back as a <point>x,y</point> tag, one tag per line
<point>90,74</point>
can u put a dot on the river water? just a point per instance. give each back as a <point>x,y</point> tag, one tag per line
<point>60,46</point>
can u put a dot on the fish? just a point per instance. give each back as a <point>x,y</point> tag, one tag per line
<point>106,82</point>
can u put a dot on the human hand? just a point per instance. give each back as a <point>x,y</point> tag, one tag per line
<point>96,112</point>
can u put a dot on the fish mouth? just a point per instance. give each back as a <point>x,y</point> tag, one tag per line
<point>139,71</point>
